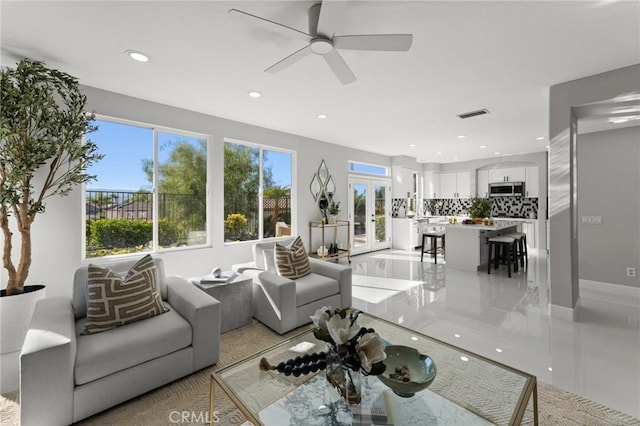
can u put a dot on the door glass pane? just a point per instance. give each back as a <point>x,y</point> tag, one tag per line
<point>381,225</point>
<point>359,215</point>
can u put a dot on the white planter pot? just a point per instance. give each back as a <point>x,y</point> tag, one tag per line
<point>15,317</point>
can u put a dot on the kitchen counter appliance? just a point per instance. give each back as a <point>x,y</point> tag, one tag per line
<point>506,189</point>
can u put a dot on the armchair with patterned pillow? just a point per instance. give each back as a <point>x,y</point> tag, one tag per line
<point>289,286</point>
<point>126,330</point>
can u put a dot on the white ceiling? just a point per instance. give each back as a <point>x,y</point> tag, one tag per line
<point>465,56</point>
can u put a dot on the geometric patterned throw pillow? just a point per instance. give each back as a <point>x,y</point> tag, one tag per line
<point>292,262</point>
<point>113,301</point>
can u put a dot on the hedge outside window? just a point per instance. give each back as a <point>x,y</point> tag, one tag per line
<point>257,192</point>
<point>123,213</point>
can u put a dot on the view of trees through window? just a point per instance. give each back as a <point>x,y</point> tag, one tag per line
<point>257,192</point>
<point>124,212</point>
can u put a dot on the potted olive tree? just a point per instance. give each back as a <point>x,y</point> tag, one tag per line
<point>42,122</point>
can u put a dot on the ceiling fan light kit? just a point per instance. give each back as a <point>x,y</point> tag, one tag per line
<point>323,18</point>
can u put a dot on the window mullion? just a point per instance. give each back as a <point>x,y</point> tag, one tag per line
<point>154,191</point>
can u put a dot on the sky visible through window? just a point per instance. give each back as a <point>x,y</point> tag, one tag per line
<point>126,147</point>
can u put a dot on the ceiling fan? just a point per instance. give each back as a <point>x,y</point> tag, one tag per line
<point>323,18</point>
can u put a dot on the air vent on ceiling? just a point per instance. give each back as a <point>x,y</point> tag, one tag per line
<point>474,113</point>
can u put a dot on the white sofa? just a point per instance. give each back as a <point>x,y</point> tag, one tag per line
<point>283,304</point>
<point>66,377</point>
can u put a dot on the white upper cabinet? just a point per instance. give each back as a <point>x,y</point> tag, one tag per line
<point>464,184</point>
<point>532,186</point>
<point>455,185</point>
<point>431,187</point>
<point>482,184</point>
<point>512,174</point>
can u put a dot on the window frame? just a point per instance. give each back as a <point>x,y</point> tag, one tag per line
<point>293,191</point>
<point>155,128</point>
<point>351,163</point>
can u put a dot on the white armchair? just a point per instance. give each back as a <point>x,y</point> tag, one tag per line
<point>66,376</point>
<point>283,304</point>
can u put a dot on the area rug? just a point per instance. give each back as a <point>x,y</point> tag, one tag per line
<point>191,394</point>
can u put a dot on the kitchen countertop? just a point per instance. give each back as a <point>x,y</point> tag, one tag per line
<point>482,227</point>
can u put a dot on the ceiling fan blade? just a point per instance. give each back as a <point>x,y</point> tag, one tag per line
<point>267,24</point>
<point>289,60</point>
<point>380,42</point>
<point>339,67</point>
<point>331,13</point>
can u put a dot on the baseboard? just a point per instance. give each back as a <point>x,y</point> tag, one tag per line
<point>617,289</point>
<point>612,293</point>
<point>564,313</point>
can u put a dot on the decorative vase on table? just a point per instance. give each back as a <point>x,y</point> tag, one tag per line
<point>346,381</point>
<point>332,218</point>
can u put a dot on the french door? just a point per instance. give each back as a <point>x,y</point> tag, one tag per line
<point>369,214</point>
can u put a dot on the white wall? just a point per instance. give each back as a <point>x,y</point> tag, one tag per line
<point>57,234</point>
<point>563,244</point>
<point>609,186</point>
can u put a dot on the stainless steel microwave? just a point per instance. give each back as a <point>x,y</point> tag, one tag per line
<point>506,189</point>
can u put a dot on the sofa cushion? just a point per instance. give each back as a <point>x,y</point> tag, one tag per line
<point>113,301</point>
<point>101,354</point>
<point>314,287</point>
<point>292,261</point>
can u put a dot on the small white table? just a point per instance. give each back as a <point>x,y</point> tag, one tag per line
<point>236,298</point>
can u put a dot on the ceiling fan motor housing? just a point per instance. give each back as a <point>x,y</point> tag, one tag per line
<point>321,46</point>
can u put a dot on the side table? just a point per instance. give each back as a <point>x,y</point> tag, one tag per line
<point>236,298</point>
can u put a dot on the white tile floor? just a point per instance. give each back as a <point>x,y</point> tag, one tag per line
<point>506,319</point>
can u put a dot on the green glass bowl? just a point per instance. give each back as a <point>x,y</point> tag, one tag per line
<point>421,369</point>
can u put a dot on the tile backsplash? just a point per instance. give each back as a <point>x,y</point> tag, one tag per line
<point>521,207</point>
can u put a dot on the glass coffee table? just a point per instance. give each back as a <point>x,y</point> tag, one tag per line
<point>468,389</point>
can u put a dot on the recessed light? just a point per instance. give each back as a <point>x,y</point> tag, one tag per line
<point>456,335</point>
<point>483,146</point>
<point>498,350</point>
<point>439,153</point>
<point>255,94</point>
<point>322,116</point>
<point>540,138</point>
<point>414,338</point>
<point>455,158</point>
<point>464,358</point>
<point>412,145</point>
<point>550,369</point>
<point>496,152</point>
<point>137,56</point>
<point>461,136</point>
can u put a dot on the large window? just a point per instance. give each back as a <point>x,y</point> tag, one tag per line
<point>257,192</point>
<point>150,193</point>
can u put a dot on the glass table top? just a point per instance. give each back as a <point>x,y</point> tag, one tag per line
<point>468,389</point>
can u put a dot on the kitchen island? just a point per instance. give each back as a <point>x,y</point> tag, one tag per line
<point>467,246</point>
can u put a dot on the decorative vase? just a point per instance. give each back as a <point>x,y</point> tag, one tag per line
<point>332,219</point>
<point>346,381</point>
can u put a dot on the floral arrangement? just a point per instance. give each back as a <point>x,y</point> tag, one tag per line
<point>359,348</point>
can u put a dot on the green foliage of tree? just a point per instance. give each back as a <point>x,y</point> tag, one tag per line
<point>42,122</point>
<point>182,186</point>
<point>381,228</point>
